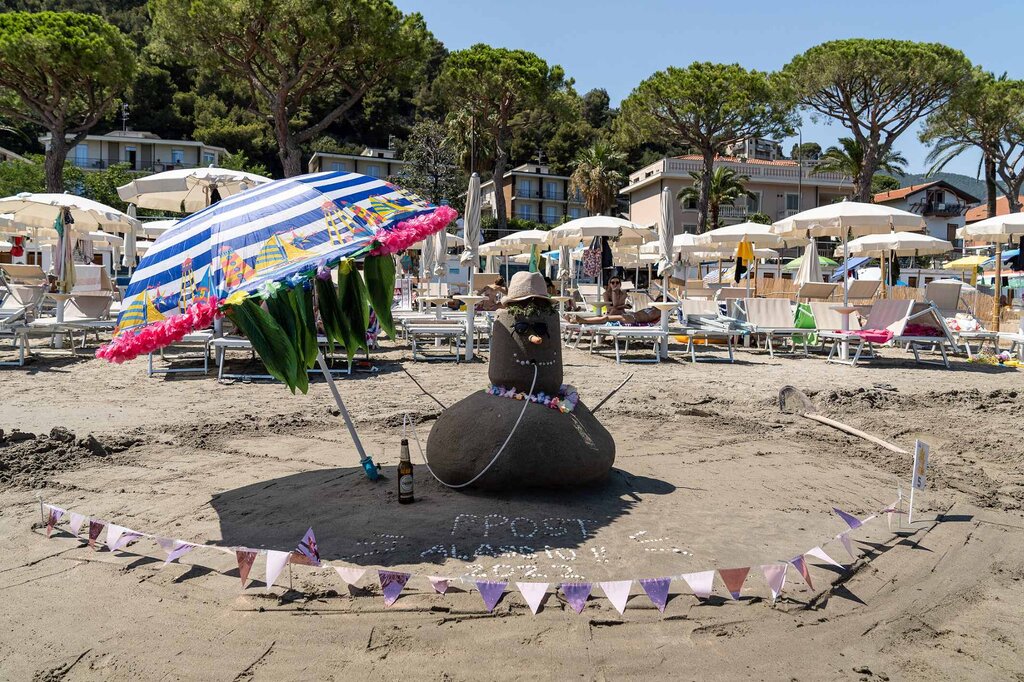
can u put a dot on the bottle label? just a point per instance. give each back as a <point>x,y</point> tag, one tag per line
<point>405,484</point>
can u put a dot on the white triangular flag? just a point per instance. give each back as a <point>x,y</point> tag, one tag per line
<point>174,548</point>
<point>439,584</point>
<point>617,592</point>
<point>75,523</point>
<point>350,575</point>
<point>119,537</point>
<point>775,576</point>
<point>276,562</point>
<point>701,583</point>
<point>844,538</point>
<point>533,593</point>
<point>819,553</point>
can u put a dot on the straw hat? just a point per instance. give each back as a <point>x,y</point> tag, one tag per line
<point>526,285</point>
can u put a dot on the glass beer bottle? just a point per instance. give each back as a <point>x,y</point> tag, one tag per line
<point>405,487</point>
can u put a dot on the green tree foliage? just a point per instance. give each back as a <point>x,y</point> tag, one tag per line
<point>808,151</point>
<point>848,159</point>
<point>877,89</point>
<point>491,89</point>
<point>431,169</point>
<point>598,175</point>
<point>305,63</point>
<point>883,183</point>
<point>240,162</point>
<point>597,110</point>
<point>706,107</point>
<point>61,71</point>
<point>726,187</point>
<point>759,218</point>
<point>987,115</point>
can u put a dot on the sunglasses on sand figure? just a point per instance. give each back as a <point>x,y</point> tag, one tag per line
<point>537,328</point>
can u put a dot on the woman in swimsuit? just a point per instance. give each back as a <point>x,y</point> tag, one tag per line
<point>615,297</point>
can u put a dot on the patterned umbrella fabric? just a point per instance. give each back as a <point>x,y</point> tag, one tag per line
<point>279,234</point>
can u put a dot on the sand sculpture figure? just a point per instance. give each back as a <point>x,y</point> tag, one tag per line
<point>546,436</point>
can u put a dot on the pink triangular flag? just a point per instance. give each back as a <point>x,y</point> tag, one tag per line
<point>851,520</point>
<point>52,518</point>
<point>733,579</point>
<point>801,565</point>
<point>391,584</point>
<point>700,583</point>
<point>276,562</point>
<point>491,592</point>
<point>309,549</point>
<point>617,592</point>
<point>75,523</point>
<point>174,548</point>
<point>440,585</point>
<point>245,558</point>
<point>95,528</point>
<point>844,538</point>
<point>350,574</point>
<point>657,590</point>
<point>819,553</point>
<point>576,594</point>
<point>533,593</point>
<point>775,576</point>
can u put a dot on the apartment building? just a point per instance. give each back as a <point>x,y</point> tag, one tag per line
<point>942,206</point>
<point>756,148</point>
<point>533,192</point>
<point>372,161</point>
<point>142,151</point>
<point>781,188</point>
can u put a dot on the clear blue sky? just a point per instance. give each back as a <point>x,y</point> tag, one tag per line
<point>614,44</point>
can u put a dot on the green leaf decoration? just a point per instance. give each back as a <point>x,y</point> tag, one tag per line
<point>354,310</point>
<point>330,312</point>
<point>380,282</point>
<point>268,339</point>
<point>281,310</point>
<point>302,302</point>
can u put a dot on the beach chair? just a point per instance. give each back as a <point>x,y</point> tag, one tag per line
<point>621,337</point>
<point>221,345</point>
<point>426,335</point>
<point>966,328</point>
<point>771,318</point>
<point>704,329</point>
<point>861,290</point>
<point>916,326</point>
<point>730,293</point>
<point>202,339</point>
<point>1016,339</point>
<point>820,291</point>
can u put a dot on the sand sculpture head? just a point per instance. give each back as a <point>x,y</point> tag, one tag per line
<point>526,334</point>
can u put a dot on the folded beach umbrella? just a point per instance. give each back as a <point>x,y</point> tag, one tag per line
<point>262,257</point>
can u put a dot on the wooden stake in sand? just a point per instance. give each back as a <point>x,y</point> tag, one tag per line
<point>614,391</point>
<point>794,401</point>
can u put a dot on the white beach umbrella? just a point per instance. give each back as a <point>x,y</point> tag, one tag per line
<point>666,226</point>
<point>995,230</point>
<point>154,228</point>
<point>41,210</point>
<point>585,229</point>
<point>131,253</point>
<point>187,190</point>
<point>527,238</point>
<point>756,233</point>
<point>452,241</point>
<point>471,225</point>
<point>810,266</point>
<point>898,243</point>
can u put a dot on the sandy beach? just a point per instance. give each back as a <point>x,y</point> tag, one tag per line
<point>709,474</point>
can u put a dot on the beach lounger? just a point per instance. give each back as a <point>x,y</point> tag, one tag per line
<point>771,318</point>
<point>815,290</point>
<point>916,326</point>
<point>705,329</point>
<point>426,337</point>
<point>966,328</point>
<point>861,290</point>
<point>622,335</point>
<point>221,345</point>
<point>1016,339</point>
<point>202,339</point>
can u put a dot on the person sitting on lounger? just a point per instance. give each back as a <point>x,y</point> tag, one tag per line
<point>492,293</point>
<point>648,315</point>
<point>615,297</point>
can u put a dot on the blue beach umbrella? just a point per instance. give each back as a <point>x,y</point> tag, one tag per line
<point>262,256</point>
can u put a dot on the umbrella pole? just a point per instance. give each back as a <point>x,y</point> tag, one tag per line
<point>844,350</point>
<point>364,459</point>
<point>998,287</point>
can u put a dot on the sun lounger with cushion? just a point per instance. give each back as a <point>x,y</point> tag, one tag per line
<point>916,326</point>
<point>771,318</point>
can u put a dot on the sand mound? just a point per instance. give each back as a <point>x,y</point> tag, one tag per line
<point>29,460</point>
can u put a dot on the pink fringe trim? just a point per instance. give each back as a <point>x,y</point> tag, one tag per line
<point>132,343</point>
<point>413,230</point>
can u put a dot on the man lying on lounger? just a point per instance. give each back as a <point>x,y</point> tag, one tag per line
<point>648,315</point>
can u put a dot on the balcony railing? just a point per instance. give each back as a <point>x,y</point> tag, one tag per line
<point>538,217</point>
<point>937,208</point>
<point>757,172</point>
<point>92,163</point>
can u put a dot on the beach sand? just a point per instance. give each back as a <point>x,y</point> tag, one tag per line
<point>709,474</point>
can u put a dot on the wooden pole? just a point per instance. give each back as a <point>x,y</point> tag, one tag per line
<point>997,287</point>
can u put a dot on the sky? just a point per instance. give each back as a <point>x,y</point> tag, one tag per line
<point>616,44</point>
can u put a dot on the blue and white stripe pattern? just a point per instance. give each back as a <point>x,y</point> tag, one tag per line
<point>316,218</point>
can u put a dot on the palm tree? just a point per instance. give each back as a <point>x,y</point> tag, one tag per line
<point>726,187</point>
<point>597,175</point>
<point>848,159</point>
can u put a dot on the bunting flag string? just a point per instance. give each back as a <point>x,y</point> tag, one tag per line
<point>392,583</point>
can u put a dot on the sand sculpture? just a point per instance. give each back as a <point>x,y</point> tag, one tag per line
<point>553,440</point>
